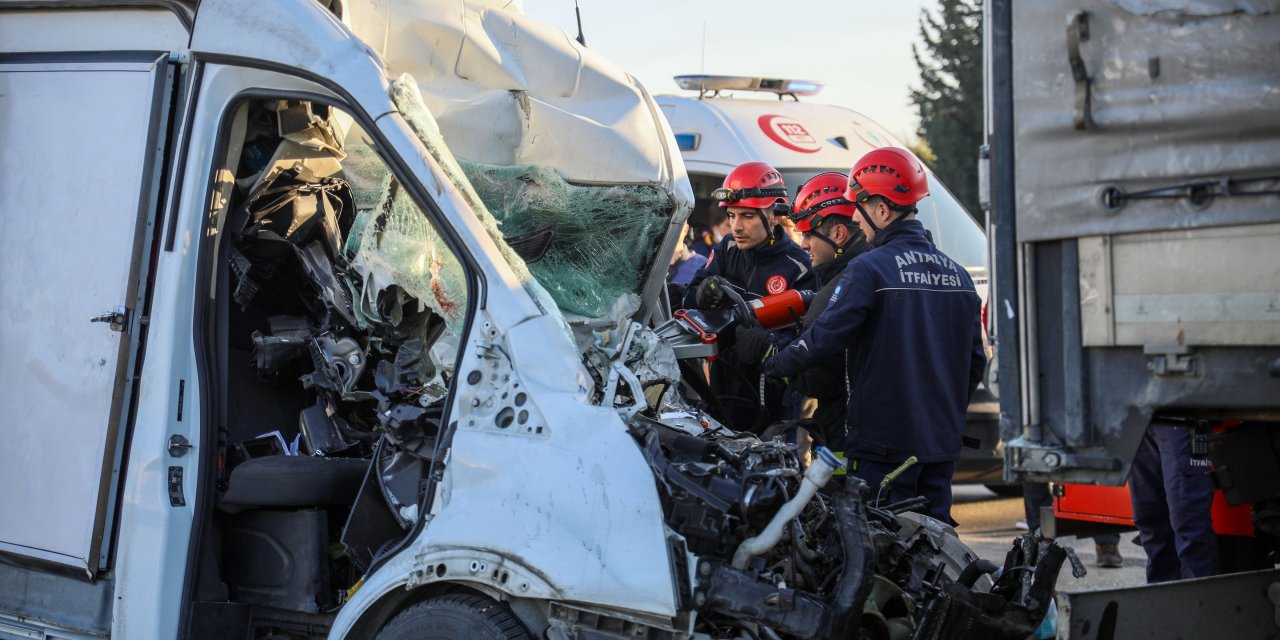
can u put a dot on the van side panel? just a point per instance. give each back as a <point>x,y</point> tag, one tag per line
<point>114,30</point>
<point>74,163</point>
<point>34,601</point>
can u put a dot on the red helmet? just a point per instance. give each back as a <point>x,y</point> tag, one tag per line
<point>821,196</point>
<point>754,184</point>
<point>891,173</point>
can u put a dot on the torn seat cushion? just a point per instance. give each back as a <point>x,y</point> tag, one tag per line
<point>293,482</point>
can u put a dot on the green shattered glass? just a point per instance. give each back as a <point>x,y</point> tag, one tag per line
<point>605,234</point>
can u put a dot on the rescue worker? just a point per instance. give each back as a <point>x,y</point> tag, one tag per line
<point>1173,502</point>
<point>909,317</point>
<point>755,260</point>
<point>831,238</point>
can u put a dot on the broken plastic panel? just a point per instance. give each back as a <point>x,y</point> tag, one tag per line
<point>604,235</point>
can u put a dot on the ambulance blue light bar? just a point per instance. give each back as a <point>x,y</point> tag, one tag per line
<point>780,86</point>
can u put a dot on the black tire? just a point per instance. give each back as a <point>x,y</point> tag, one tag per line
<point>456,616</point>
<point>1005,490</point>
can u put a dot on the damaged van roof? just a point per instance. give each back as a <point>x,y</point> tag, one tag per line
<point>522,104</point>
<point>513,98</point>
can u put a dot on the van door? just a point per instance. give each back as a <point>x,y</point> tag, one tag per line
<point>80,164</point>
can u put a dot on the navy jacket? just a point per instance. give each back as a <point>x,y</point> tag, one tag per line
<point>825,381</point>
<point>910,319</point>
<point>772,267</point>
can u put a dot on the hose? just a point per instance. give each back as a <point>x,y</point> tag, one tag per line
<point>815,477</point>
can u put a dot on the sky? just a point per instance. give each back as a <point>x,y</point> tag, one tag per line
<point>860,48</point>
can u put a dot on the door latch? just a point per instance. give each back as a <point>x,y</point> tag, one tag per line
<point>118,317</point>
<point>178,445</point>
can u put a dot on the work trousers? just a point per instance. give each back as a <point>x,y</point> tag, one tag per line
<point>1172,503</point>
<point>930,480</point>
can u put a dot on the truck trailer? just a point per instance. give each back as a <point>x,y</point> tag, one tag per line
<point>1134,190</point>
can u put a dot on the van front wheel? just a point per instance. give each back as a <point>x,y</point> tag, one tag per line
<point>456,616</point>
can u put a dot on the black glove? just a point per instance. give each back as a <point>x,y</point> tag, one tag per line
<point>753,345</point>
<point>711,292</point>
<point>768,366</point>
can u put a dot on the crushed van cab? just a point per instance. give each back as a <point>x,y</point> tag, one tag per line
<point>341,331</point>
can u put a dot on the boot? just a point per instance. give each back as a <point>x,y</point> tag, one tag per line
<point>1109,556</point>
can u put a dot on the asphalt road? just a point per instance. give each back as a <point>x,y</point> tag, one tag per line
<point>987,524</point>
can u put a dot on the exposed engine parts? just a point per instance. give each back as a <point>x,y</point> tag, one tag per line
<point>832,562</point>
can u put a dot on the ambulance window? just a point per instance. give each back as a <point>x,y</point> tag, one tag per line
<point>954,230</point>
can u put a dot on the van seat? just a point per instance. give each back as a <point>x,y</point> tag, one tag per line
<point>293,482</point>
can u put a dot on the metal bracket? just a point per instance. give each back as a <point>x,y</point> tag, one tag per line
<point>118,317</point>
<point>1028,457</point>
<point>618,372</point>
<point>1077,32</point>
<point>1170,359</point>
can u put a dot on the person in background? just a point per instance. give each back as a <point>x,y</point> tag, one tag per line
<point>684,265</point>
<point>789,227</point>
<point>1173,502</point>
<point>717,228</point>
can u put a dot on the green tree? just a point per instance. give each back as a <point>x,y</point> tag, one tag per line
<point>949,98</point>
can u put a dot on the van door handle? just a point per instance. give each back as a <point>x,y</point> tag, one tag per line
<point>117,317</point>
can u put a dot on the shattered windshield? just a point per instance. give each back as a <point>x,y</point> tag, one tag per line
<point>587,245</point>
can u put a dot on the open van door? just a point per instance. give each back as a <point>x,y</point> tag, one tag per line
<point>74,237</point>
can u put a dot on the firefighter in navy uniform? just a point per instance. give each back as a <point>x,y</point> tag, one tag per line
<point>832,239</point>
<point>757,259</point>
<point>909,318</point>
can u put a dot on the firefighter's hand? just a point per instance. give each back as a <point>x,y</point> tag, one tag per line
<point>711,292</point>
<point>753,345</point>
<point>768,366</point>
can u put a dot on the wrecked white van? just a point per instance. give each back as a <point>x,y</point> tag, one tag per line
<point>280,364</point>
